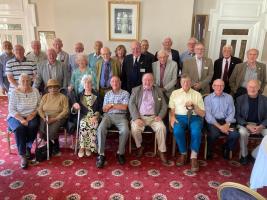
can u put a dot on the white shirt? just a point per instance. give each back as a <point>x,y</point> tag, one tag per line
<point>138,58</point>
<point>223,65</point>
<point>199,66</point>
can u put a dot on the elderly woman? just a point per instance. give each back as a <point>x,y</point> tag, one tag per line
<point>53,109</point>
<point>89,105</point>
<point>22,116</point>
<point>83,69</point>
<point>120,53</point>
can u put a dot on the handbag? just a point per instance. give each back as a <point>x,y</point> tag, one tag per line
<point>41,152</point>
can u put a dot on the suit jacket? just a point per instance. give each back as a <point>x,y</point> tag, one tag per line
<point>239,72</point>
<point>115,68</point>
<point>242,108</point>
<point>175,57</point>
<point>143,66</point>
<point>135,101</point>
<point>190,68</point>
<point>43,74</point>
<point>218,70</point>
<point>150,57</point>
<point>169,78</point>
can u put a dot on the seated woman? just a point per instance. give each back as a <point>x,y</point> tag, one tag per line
<point>54,105</point>
<point>78,73</point>
<point>90,105</point>
<point>22,116</point>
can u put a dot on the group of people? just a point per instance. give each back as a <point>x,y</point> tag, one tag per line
<point>105,89</point>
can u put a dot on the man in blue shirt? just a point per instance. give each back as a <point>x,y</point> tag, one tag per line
<point>220,113</point>
<point>6,56</point>
<point>78,48</point>
<point>94,57</point>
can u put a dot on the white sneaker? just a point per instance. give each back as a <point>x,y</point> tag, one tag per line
<point>81,153</point>
<point>87,152</point>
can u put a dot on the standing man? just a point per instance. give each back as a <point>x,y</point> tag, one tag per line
<point>18,65</point>
<point>187,111</point>
<point>62,56</point>
<point>200,70</point>
<point>105,69</point>
<point>189,53</point>
<point>147,107</point>
<point>78,48</point>
<point>36,54</point>
<point>133,67</point>
<point>115,108</point>
<point>251,116</point>
<point>4,57</point>
<point>220,113</point>
<point>223,67</point>
<point>165,73</point>
<point>94,57</point>
<point>246,71</point>
<point>173,54</point>
<point>144,50</point>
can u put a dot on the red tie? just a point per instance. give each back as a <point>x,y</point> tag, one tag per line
<point>225,72</point>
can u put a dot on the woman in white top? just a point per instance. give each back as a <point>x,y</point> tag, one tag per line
<point>22,116</point>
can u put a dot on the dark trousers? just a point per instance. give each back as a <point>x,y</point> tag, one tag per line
<point>24,135</point>
<point>214,133</point>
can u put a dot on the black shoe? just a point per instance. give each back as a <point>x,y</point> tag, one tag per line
<point>23,162</point>
<point>100,161</point>
<point>226,153</point>
<point>55,147</point>
<point>28,153</point>
<point>243,160</point>
<point>121,159</point>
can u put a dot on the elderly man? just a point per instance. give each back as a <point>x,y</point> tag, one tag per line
<point>251,116</point>
<point>165,73</point>
<point>62,56</point>
<point>187,111</point>
<point>4,57</point>
<point>36,54</point>
<point>51,69</point>
<point>220,113</point>
<point>18,65</point>
<point>173,54</point>
<point>189,53</point>
<point>78,48</point>
<point>144,50</point>
<point>200,69</point>
<point>223,67</point>
<point>147,107</point>
<point>133,67</point>
<point>249,70</point>
<point>115,108</point>
<point>105,69</point>
<point>94,57</point>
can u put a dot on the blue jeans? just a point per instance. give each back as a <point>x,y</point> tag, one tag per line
<point>195,128</point>
<point>24,135</point>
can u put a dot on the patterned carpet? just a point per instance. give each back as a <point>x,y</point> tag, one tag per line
<point>70,177</point>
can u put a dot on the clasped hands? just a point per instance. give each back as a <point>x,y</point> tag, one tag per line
<point>141,122</point>
<point>254,129</point>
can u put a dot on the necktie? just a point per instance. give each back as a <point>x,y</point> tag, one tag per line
<point>225,72</point>
<point>162,70</point>
<point>135,62</point>
<point>106,74</point>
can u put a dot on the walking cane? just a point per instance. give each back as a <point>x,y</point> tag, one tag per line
<point>77,132</point>
<point>47,136</point>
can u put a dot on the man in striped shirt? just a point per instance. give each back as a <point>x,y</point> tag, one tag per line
<point>18,65</point>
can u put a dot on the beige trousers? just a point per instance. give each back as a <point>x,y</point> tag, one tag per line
<point>157,126</point>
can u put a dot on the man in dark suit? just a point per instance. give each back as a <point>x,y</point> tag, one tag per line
<point>144,50</point>
<point>251,116</point>
<point>133,68</point>
<point>173,54</point>
<point>223,67</point>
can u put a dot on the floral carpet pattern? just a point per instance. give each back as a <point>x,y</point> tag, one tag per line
<point>69,177</point>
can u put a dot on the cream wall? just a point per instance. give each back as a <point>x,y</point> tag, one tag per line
<point>87,21</point>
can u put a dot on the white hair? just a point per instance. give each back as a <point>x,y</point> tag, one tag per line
<point>23,75</point>
<point>85,78</point>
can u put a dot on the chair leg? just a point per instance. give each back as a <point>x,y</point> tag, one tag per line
<point>66,137</point>
<point>230,155</point>
<point>173,146</point>
<point>8,142</point>
<point>206,147</point>
<point>155,145</point>
<point>130,143</point>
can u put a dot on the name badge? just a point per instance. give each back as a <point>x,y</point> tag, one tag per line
<point>206,67</point>
<point>159,99</point>
<point>142,70</point>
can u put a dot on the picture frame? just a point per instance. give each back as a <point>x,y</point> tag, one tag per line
<point>123,20</point>
<point>199,29</point>
<point>46,39</point>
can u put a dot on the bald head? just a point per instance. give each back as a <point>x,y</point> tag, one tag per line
<point>136,48</point>
<point>148,80</point>
<point>51,55</point>
<point>36,47</point>
<point>19,52</point>
<point>162,56</point>
<point>106,54</point>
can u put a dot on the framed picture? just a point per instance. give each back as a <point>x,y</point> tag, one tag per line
<point>46,39</point>
<point>123,20</point>
<point>200,23</point>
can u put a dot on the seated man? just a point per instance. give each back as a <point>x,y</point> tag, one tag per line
<point>187,111</point>
<point>115,108</point>
<point>220,112</point>
<point>251,116</point>
<point>147,107</point>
